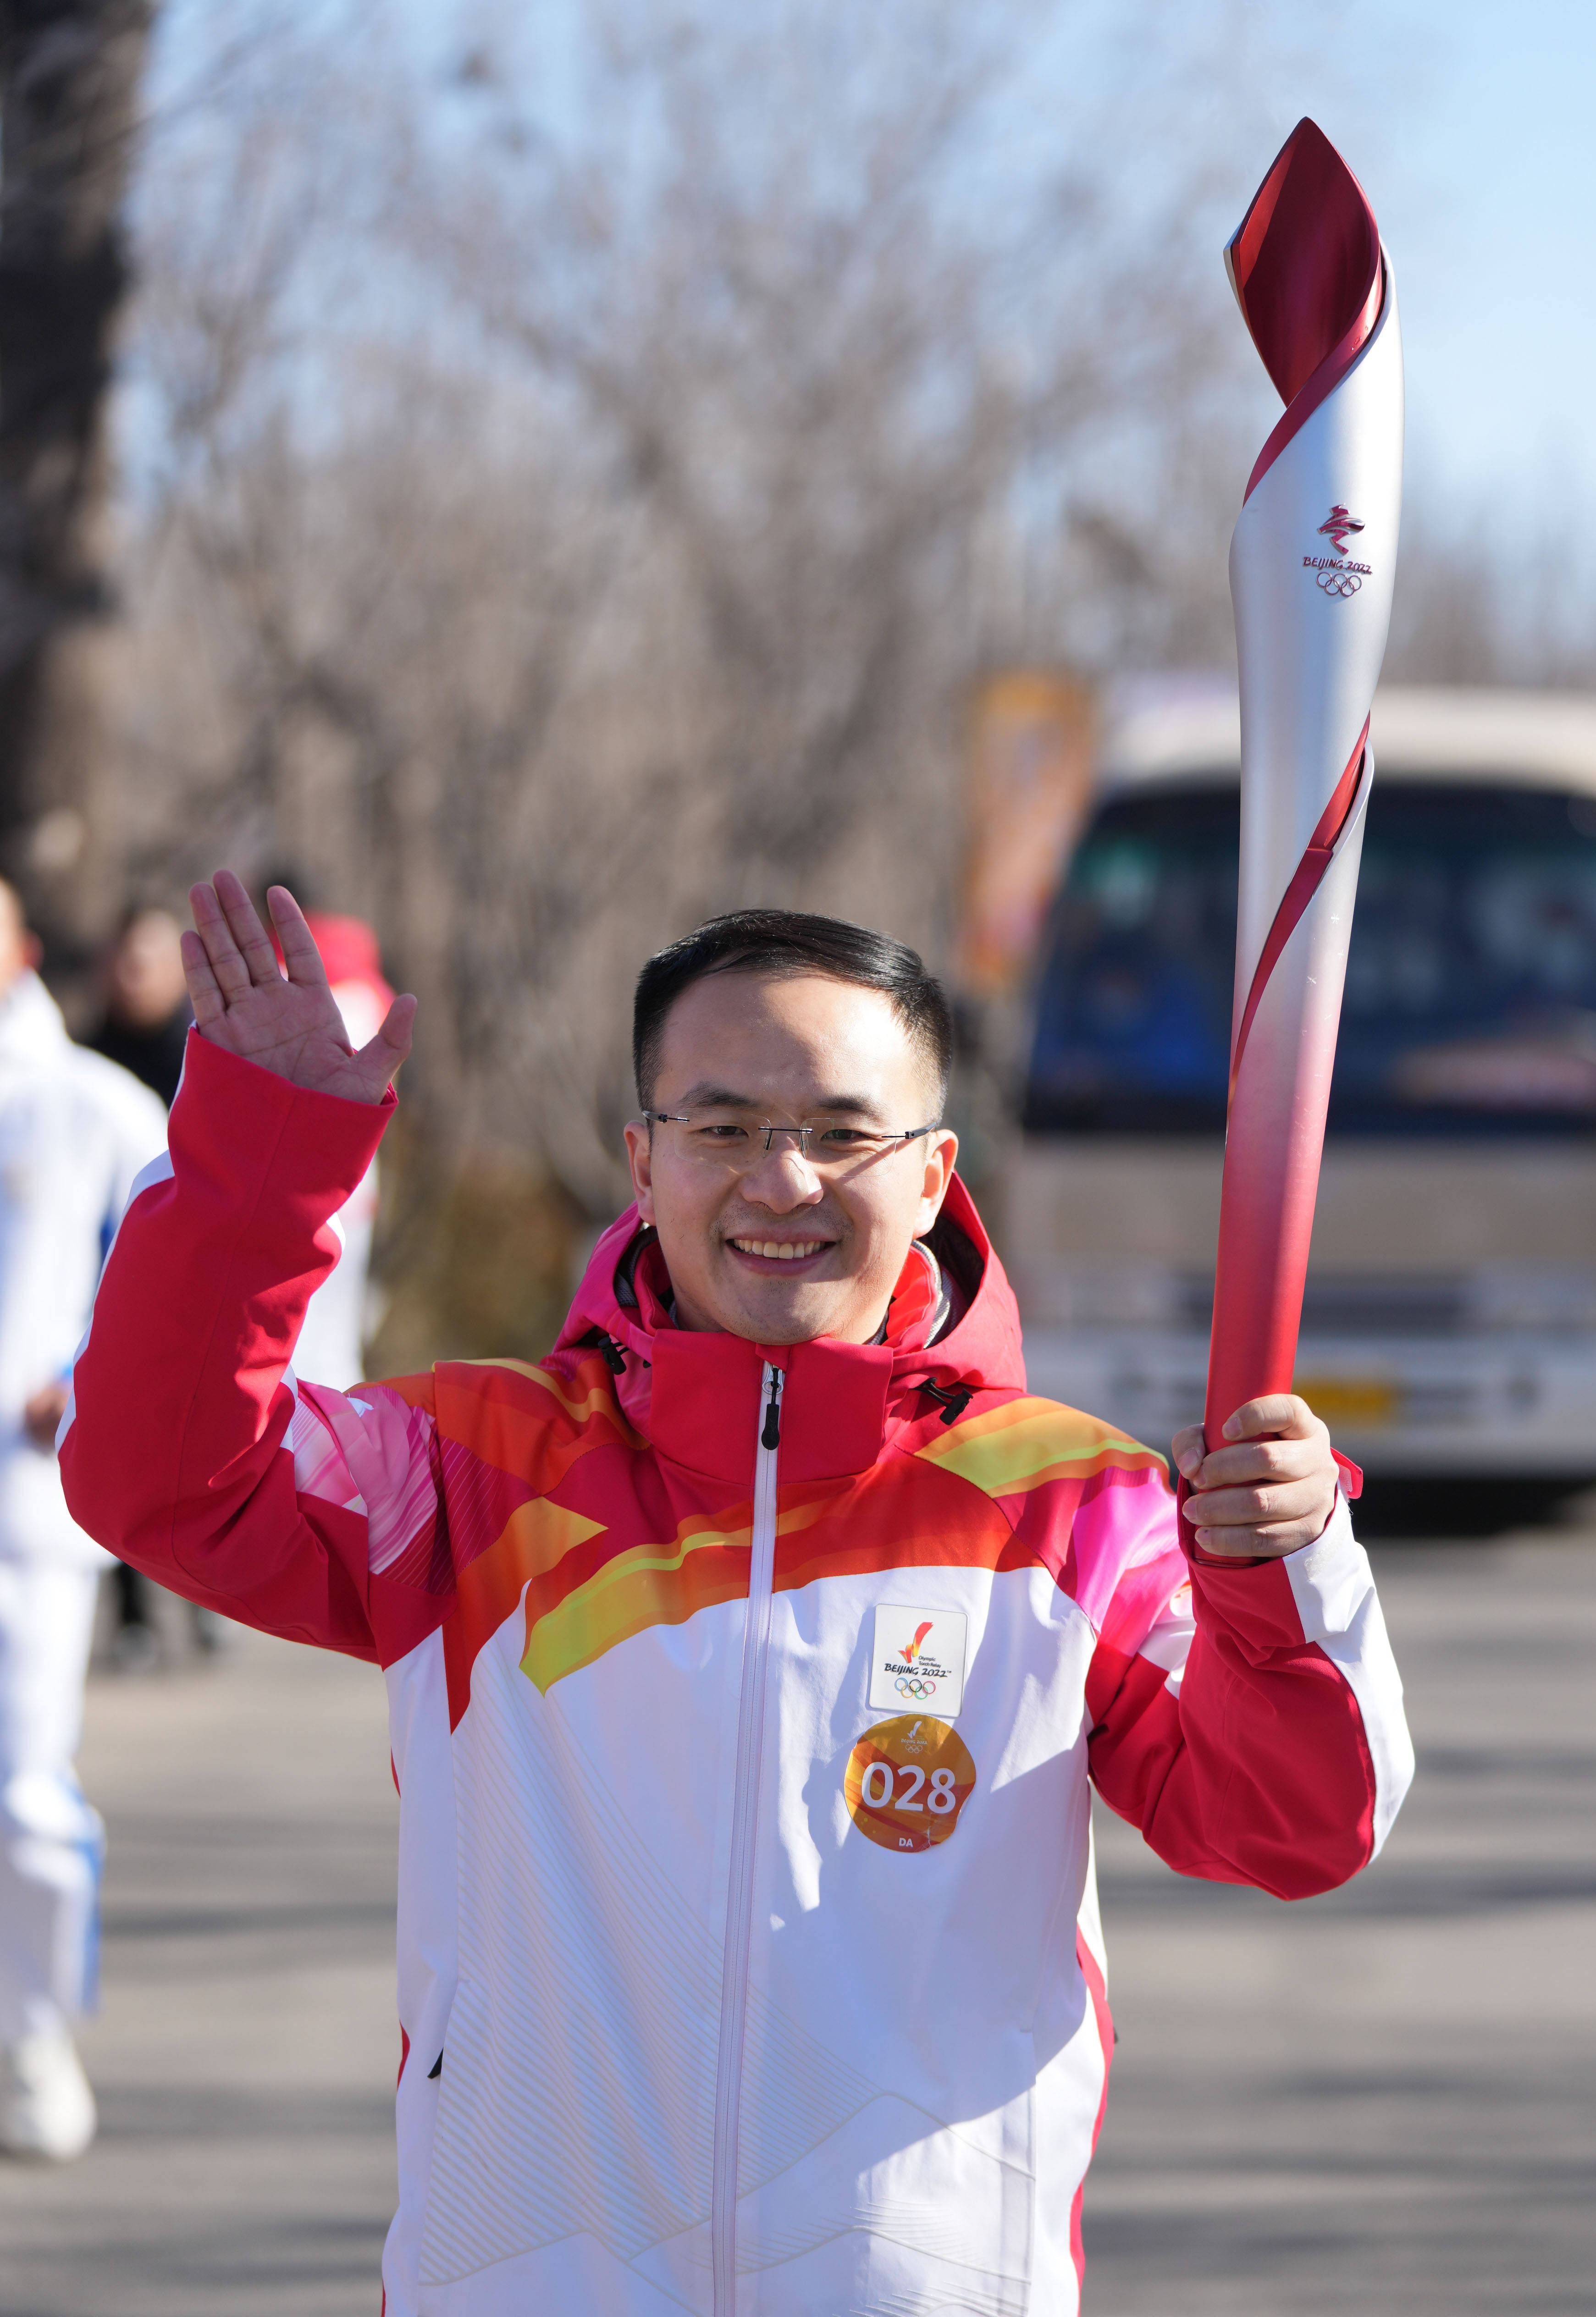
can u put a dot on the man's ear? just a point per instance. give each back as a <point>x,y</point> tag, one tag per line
<point>941,1157</point>
<point>640,1158</point>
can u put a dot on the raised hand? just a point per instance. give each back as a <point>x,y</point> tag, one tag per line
<point>1270,1489</point>
<point>293,1026</point>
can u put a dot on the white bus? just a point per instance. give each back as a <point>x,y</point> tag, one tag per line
<point>1449,1325</point>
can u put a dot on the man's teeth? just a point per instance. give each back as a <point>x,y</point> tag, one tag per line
<point>780,1251</point>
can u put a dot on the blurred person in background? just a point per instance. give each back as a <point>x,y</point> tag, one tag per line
<point>145,1023</point>
<point>144,1027</point>
<point>731,1973</point>
<point>75,1133</point>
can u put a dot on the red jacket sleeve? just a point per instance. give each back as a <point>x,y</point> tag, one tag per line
<point>1248,1719</point>
<point>181,1439</point>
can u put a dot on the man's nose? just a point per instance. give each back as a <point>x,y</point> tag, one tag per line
<point>782,1177</point>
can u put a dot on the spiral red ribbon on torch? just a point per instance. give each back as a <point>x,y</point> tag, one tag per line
<point>1304,883</point>
<point>1309,276</point>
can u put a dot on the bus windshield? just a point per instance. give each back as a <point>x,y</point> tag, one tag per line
<point>1471,982</point>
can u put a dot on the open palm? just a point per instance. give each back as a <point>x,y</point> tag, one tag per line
<point>241,1000</point>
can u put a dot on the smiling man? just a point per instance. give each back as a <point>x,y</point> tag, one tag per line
<point>781,1233</point>
<point>748,1660</point>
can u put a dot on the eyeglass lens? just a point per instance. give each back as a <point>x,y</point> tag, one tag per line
<point>726,1140</point>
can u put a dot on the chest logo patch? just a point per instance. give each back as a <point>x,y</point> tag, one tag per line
<point>917,1661</point>
<point>906,1781</point>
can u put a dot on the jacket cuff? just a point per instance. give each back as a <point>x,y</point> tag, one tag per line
<point>1264,1599</point>
<point>1330,1578</point>
<point>1351,1476</point>
<point>323,1143</point>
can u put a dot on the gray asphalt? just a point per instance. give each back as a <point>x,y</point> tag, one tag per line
<point>1380,2100</point>
<point>1383,2100</point>
<point>246,2049</point>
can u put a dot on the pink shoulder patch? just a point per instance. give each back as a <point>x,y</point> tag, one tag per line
<point>1127,1548</point>
<point>384,1448</point>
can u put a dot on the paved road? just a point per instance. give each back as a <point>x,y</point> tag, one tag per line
<point>246,2055</point>
<point>1382,2100</point>
<point>1378,2101</point>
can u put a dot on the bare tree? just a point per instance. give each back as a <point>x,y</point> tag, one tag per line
<point>835,378</point>
<point>576,496</point>
<point>1516,611</point>
<point>69,78</point>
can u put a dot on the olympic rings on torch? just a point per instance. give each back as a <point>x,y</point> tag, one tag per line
<point>911,1685</point>
<point>1338,583</point>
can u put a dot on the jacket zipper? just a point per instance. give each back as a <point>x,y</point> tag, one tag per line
<point>740,1894</point>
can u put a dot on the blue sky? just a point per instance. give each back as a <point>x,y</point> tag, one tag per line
<point>1473,130</point>
<point>1470,122</point>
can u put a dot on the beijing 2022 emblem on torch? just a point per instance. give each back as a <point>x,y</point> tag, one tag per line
<point>1312,562</point>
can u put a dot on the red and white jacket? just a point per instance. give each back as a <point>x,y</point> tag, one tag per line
<point>744,1705</point>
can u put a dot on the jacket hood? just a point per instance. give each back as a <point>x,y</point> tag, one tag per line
<point>623,1306</point>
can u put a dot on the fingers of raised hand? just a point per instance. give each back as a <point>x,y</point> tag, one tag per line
<point>236,944</point>
<point>300,953</point>
<point>228,969</point>
<point>204,993</point>
<point>288,1022</point>
<point>253,941</point>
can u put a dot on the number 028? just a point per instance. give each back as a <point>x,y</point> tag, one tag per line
<point>876,1788</point>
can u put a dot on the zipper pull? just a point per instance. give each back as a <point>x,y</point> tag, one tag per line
<point>771,1435</point>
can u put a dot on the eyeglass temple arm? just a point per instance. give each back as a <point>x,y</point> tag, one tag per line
<point>907,1134</point>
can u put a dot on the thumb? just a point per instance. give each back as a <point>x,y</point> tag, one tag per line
<point>387,1052</point>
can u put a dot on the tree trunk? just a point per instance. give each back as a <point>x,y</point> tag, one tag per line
<point>69,78</point>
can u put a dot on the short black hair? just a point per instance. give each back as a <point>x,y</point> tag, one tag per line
<point>787,942</point>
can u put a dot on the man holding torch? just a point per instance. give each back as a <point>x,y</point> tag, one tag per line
<point>748,1659</point>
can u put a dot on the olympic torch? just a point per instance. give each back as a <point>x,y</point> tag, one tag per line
<point>1312,562</point>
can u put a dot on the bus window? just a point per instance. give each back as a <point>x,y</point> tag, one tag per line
<point>1471,982</point>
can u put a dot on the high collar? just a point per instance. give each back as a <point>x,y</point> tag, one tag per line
<point>697,1396</point>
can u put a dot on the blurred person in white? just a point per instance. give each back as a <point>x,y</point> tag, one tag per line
<point>75,1131</point>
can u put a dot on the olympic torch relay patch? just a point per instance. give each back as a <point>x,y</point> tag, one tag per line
<point>906,1781</point>
<point>917,1661</point>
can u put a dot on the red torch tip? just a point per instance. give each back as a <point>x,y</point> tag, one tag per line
<point>1305,265</point>
<point>1305,260</point>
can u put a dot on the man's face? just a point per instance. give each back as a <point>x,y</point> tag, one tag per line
<point>788,1050</point>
